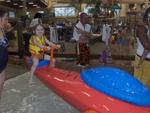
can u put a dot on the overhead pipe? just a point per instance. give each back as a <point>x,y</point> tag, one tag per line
<point>131,1</point>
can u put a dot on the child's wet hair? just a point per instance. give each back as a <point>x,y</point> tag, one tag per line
<point>34,27</point>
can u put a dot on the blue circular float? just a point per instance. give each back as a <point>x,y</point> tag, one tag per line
<point>118,84</point>
<point>41,62</point>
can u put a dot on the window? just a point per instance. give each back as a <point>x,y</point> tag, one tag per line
<point>88,10</point>
<point>64,11</point>
<point>11,14</point>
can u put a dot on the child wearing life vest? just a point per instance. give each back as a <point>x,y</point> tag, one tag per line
<point>37,45</point>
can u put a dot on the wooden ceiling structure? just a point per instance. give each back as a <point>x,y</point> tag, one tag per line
<point>19,5</point>
<point>104,1</point>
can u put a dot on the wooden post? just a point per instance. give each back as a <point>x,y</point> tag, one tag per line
<point>20,38</point>
<point>24,7</point>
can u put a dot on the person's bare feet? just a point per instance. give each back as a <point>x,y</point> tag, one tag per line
<point>31,82</point>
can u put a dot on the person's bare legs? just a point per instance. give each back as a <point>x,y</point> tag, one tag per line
<point>145,53</point>
<point>2,80</point>
<point>33,68</point>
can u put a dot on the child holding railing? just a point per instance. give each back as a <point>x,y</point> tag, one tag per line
<point>37,45</point>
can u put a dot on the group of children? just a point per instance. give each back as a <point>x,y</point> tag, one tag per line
<point>121,40</point>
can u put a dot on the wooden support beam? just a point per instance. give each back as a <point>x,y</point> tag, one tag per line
<point>7,8</point>
<point>131,1</point>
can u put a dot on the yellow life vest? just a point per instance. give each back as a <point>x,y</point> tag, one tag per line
<point>34,49</point>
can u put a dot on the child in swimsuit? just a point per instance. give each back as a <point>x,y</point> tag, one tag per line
<point>37,45</point>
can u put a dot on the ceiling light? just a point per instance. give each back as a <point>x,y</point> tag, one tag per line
<point>8,1</point>
<point>41,11</point>
<point>38,7</point>
<point>30,3</point>
<point>15,3</point>
<point>20,6</point>
<point>27,13</point>
<point>35,5</point>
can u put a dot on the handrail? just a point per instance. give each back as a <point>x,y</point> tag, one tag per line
<point>51,57</point>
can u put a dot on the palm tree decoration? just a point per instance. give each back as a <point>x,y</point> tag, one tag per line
<point>77,4</point>
<point>80,4</point>
<point>98,6</point>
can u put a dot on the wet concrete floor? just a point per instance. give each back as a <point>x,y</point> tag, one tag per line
<point>20,97</point>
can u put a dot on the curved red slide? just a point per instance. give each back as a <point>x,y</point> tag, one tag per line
<point>72,89</point>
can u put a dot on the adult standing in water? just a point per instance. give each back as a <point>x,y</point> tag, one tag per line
<point>3,47</point>
<point>82,34</point>
<point>143,43</point>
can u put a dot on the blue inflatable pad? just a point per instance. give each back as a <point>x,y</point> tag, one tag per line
<point>41,63</point>
<point>118,84</point>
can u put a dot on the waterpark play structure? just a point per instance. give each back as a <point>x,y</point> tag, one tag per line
<point>95,90</point>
